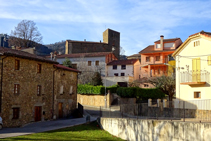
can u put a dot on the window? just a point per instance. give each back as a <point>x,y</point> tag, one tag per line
<point>17,64</point>
<point>157,58</point>
<point>38,68</point>
<point>197,94</point>
<point>157,45</point>
<point>122,74</point>
<point>209,60</point>
<point>114,67</point>
<point>115,74</point>
<point>74,66</point>
<point>16,89</point>
<point>196,43</point>
<point>146,85</point>
<point>61,89</point>
<point>71,89</point>
<point>147,59</point>
<point>123,67</point>
<point>15,113</point>
<point>89,63</point>
<point>96,63</point>
<point>38,90</point>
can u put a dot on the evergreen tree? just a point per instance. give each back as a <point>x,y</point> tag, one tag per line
<point>67,63</point>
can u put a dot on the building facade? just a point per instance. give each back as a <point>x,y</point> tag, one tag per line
<point>122,72</point>
<point>193,68</point>
<point>111,43</point>
<point>28,93</point>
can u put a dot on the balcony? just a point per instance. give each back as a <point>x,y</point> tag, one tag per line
<point>199,77</point>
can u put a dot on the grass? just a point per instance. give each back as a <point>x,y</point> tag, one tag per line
<point>89,132</point>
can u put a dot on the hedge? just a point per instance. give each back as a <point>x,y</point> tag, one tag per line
<point>131,92</point>
<point>90,89</point>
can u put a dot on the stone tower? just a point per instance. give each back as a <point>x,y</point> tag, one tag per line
<point>112,38</point>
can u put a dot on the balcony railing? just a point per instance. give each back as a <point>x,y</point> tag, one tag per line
<point>156,61</point>
<point>195,76</point>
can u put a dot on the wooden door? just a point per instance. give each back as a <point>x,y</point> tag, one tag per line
<point>196,67</point>
<point>60,110</point>
<point>38,113</point>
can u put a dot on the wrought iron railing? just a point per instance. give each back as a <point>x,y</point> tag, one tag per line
<point>195,76</point>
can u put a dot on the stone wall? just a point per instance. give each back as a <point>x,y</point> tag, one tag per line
<point>68,98</point>
<point>94,100</point>
<point>28,79</point>
<point>155,130</point>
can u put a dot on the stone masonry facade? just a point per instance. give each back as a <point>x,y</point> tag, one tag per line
<point>111,43</point>
<point>30,104</point>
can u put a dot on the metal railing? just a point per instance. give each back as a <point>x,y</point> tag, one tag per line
<point>195,76</point>
<point>186,111</point>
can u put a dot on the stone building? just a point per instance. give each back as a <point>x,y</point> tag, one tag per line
<point>29,88</point>
<point>111,43</point>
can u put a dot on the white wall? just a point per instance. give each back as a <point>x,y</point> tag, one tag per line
<point>128,71</point>
<point>85,60</point>
<point>186,92</point>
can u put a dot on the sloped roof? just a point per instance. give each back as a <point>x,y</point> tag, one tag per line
<point>23,54</point>
<point>168,40</point>
<point>150,49</point>
<point>135,55</point>
<point>78,55</point>
<point>123,62</point>
<point>198,34</point>
<point>65,68</point>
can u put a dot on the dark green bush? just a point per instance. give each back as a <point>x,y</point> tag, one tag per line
<point>132,92</point>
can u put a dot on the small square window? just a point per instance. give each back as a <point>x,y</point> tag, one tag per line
<point>122,74</point>
<point>115,74</point>
<point>197,94</point>
<point>123,67</point>
<point>146,85</point>
<point>38,68</point>
<point>89,63</point>
<point>96,63</point>
<point>74,66</point>
<point>17,64</point>
<point>114,67</point>
<point>39,90</point>
<point>71,89</point>
<point>16,88</point>
<point>61,90</point>
<point>157,58</point>
<point>147,59</point>
<point>15,113</point>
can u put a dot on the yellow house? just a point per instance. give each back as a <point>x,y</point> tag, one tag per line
<point>193,67</point>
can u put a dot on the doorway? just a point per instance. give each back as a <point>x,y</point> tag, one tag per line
<point>38,113</point>
<point>60,110</point>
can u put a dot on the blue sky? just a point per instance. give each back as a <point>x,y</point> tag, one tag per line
<point>140,22</point>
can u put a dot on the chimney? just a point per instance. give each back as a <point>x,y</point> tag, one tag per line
<point>100,41</point>
<point>161,41</point>
<point>84,40</point>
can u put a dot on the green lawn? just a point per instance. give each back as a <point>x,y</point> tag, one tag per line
<point>90,131</point>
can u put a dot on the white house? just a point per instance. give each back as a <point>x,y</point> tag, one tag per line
<point>122,71</point>
<point>193,67</point>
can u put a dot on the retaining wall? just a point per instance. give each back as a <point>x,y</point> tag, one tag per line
<point>155,130</point>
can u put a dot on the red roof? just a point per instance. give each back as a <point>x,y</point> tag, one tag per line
<point>79,55</point>
<point>150,49</point>
<point>23,54</point>
<point>65,68</point>
<point>202,32</point>
<point>168,40</point>
<point>123,62</point>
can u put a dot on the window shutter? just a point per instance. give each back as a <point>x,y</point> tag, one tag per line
<point>209,60</point>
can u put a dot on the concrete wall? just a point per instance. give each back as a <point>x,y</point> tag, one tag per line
<point>94,100</point>
<point>154,130</point>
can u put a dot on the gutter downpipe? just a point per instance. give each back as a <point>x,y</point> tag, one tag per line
<point>53,95</point>
<point>1,82</point>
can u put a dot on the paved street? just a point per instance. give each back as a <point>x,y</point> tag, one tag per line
<point>41,127</point>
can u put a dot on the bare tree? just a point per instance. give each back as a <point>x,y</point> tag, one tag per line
<point>88,72</point>
<point>26,34</point>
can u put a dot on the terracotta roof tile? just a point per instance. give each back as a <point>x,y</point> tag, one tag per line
<point>123,62</point>
<point>150,49</point>
<point>168,40</point>
<point>22,54</point>
<point>65,68</point>
<point>202,32</point>
<point>78,55</point>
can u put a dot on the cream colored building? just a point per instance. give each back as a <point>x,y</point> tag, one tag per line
<point>193,67</point>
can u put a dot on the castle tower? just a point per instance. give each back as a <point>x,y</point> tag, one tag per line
<point>112,38</point>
